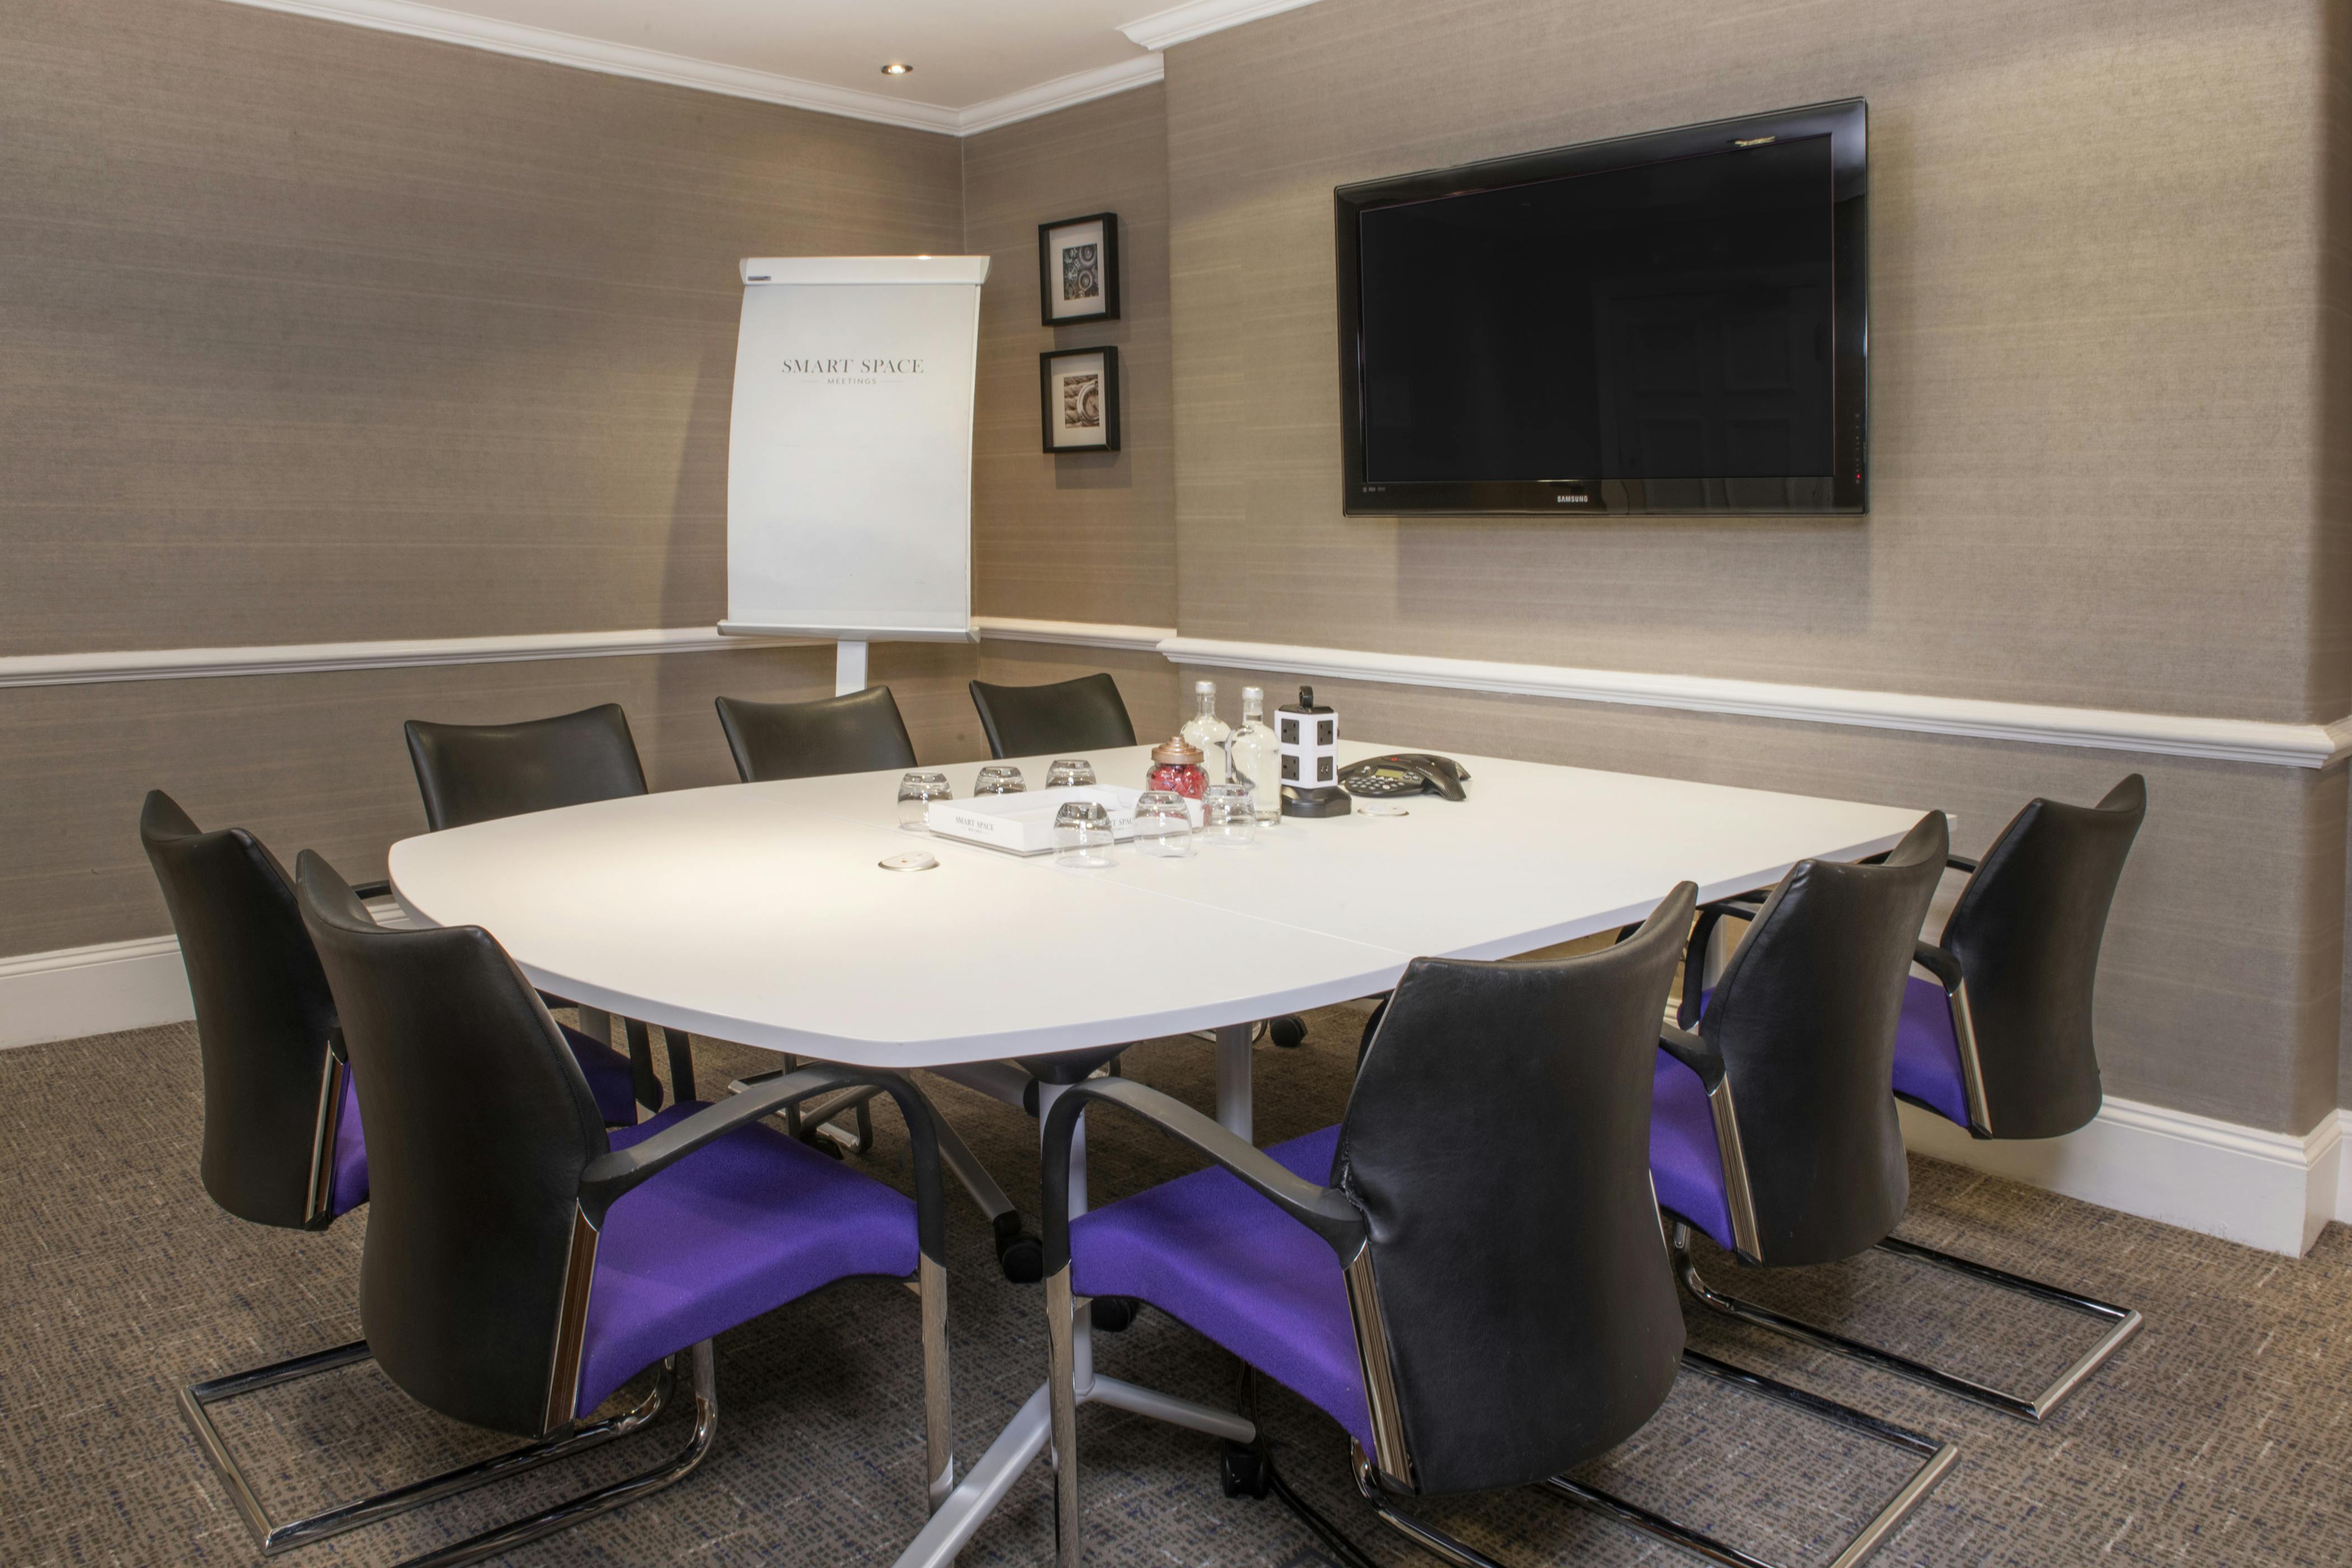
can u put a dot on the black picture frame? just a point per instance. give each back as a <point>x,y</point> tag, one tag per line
<point>1050,400</point>
<point>1051,269</point>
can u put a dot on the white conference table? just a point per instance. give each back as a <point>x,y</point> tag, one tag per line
<point>759,913</point>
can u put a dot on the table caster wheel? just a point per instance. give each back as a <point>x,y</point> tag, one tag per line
<point>1289,1031</point>
<point>1113,1314</point>
<point>1019,1254</point>
<point>1245,1471</point>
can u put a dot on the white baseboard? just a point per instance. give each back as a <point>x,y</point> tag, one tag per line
<point>95,990</point>
<point>105,988</point>
<point>2271,1189</point>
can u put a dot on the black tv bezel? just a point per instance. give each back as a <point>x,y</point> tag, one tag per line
<point>1845,122</point>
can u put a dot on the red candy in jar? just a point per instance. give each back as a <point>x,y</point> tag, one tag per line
<point>1176,765</point>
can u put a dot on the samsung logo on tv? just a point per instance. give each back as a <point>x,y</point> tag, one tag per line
<point>1571,501</point>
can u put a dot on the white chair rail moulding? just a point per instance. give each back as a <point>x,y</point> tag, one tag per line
<point>2154,734</point>
<point>300,658</point>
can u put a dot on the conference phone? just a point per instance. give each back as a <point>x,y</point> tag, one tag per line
<point>1405,773</point>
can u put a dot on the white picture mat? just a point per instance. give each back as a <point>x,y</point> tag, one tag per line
<point>849,459</point>
<point>1081,364</point>
<point>1062,239</point>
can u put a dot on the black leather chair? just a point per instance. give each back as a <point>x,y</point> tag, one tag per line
<point>859,733</point>
<point>479,772</point>
<point>2001,1040</point>
<point>284,1144</point>
<point>1067,717</point>
<point>1775,1130</point>
<point>523,1265</point>
<point>1479,1303</point>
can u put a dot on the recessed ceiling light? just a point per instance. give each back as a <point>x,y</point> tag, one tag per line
<point>898,68</point>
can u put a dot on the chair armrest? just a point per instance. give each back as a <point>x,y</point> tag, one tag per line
<point>614,1174</point>
<point>1323,1210</point>
<point>1693,1053</point>
<point>369,891</point>
<point>1960,863</point>
<point>1938,962</point>
<point>1694,955</point>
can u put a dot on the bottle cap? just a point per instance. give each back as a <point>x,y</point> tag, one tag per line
<point>1253,694</point>
<point>1202,686</point>
<point>1177,749</point>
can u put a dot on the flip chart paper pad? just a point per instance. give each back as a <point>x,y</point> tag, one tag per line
<point>849,461</point>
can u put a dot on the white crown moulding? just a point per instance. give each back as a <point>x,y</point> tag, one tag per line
<point>419,21</point>
<point>1182,24</point>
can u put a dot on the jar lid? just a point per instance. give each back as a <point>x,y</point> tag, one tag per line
<point>1177,749</point>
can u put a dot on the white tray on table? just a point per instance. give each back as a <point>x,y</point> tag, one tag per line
<point>1024,823</point>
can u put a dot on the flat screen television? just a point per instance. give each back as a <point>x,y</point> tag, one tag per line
<point>1672,322</point>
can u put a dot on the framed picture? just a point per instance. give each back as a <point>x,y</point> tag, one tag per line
<point>1077,269</point>
<point>1077,391</point>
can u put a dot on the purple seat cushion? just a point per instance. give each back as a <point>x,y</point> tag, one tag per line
<point>350,1186</point>
<point>609,1079</point>
<point>1927,1055</point>
<point>1685,1163</point>
<point>737,1228</point>
<point>1226,1263</point>
<point>608,1075</point>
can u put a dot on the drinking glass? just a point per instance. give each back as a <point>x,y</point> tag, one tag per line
<point>1228,816</point>
<point>1069,771</point>
<point>1082,836</point>
<point>999,778</point>
<point>1164,829</point>
<point>916,793</point>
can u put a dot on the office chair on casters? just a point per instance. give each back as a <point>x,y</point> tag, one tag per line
<point>1067,717</point>
<point>861,733</point>
<point>516,1282</point>
<point>2001,1043</point>
<point>479,772</point>
<point>1470,1324</point>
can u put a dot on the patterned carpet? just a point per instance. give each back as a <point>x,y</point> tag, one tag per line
<point>2221,1436</point>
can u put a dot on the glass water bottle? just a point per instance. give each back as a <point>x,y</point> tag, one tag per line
<point>1253,758</point>
<point>1204,731</point>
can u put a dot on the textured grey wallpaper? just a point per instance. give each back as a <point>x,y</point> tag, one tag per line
<point>1088,536</point>
<point>310,332</point>
<point>2095,234</point>
<point>2102,414</point>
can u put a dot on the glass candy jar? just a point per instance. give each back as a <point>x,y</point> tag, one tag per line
<point>1176,767</point>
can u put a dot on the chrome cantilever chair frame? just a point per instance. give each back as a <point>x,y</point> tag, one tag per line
<point>1335,1216</point>
<point>2122,1322</point>
<point>1935,1458</point>
<point>196,1399</point>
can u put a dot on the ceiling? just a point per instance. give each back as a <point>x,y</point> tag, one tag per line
<point>977,63</point>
